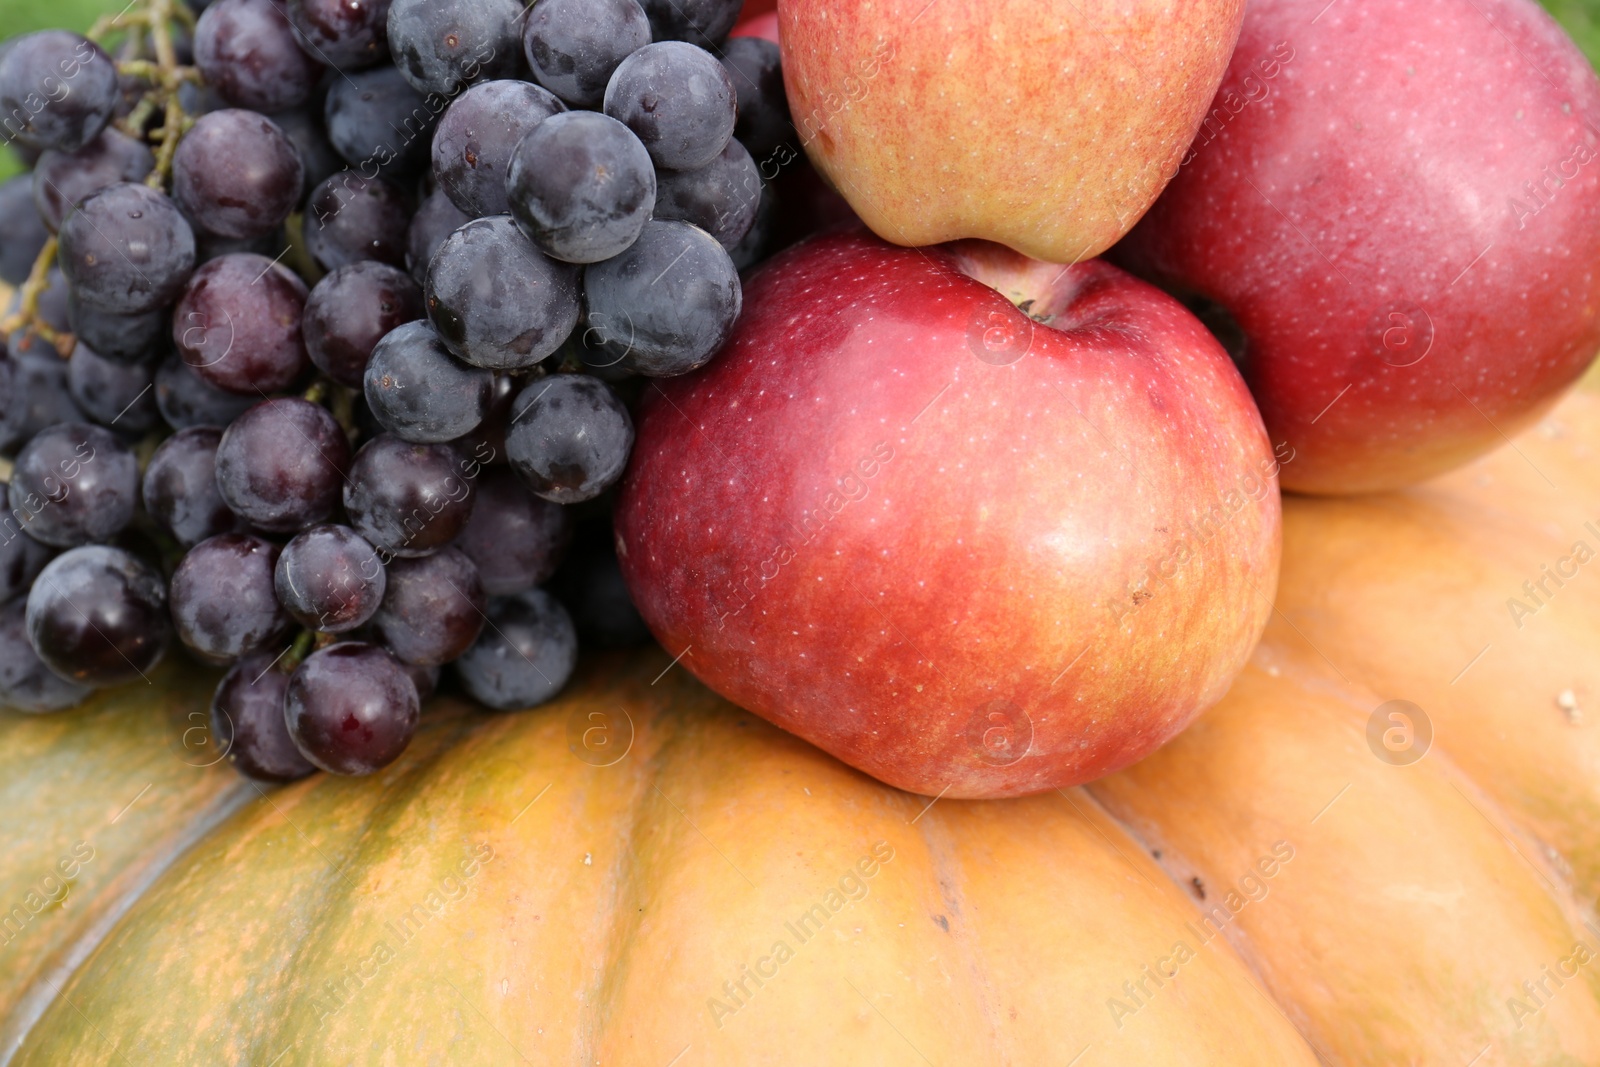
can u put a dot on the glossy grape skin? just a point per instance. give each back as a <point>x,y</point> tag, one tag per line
<point>62,179</point>
<point>237,174</point>
<point>380,124</point>
<point>280,465</point>
<point>180,487</point>
<point>756,67</point>
<point>247,51</point>
<point>591,585</point>
<point>678,100</point>
<point>433,610</point>
<point>583,185</point>
<point>26,684</point>
<point>700,22</point>
<point>351,708</point>
<point>329,578</point>
<point>721,198</point>
<point>185,400</point>
<point>350,218</point>
<point>441,45</point>
<point>525,655</point>
<point>318,158</point>
<point>33,397</point>
<point>237,325</point>
<point>676,291</point>
<point>496,300</point>
<point>97,615</point>
<point>21,557</point>
<point>247,721</point>
<point>119,396</point>
<point>57,90</point>
<point>350,310</point>
<point>407,499</point>
<point>119,338</point>
<point>343,34</point>
<point>22,231</point>
<point>421,393</point>
<point>435,220</point>
<point>573,46</point>
<point>222,597</point>
<point>569,438</point>
<point>473,143</point>
<point>127,249</point>
<point>514,538</point>
<point>74,484</point>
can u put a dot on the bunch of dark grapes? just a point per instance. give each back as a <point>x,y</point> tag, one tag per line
<point>326,318</point>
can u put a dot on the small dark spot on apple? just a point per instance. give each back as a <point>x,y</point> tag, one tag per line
<point>1199,887</point>
<point>1156,852</point>
<point>944,924</point>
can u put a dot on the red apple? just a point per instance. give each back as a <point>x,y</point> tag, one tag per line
<point>1398,201</point>
<point>1047,125</point>
<point>977,543</point>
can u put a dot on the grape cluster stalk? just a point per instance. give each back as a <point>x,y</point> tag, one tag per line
<point>326,324</point>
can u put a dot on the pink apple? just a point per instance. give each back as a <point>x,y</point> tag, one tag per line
<point>975,524</point>
<point>1047,125</point>
<point>1398,201</point>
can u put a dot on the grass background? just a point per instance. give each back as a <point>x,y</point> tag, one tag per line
<point>1580,17</point>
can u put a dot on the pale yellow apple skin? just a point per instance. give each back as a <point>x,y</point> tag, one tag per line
<point>1050,126</point>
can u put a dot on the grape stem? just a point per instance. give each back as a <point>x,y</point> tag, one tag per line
<point>165,77</point>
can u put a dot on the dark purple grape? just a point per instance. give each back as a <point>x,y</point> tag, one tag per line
<point>573,46</point>
<point>351,310</point>
<point>569,438</point>
<point>237,325</point>
<point>756,67</point>
<point>127,249</point>
<point>120,396</point>
<point>350,218</point>
<point>280,465</point>
<point>433,610</point>
<point>119,338</point>
<point>222,597</point>
<point>318,159</point>
<point>247,721</point>
<point>419,392</point>
<point>679,101</point>
<point>57,90</point>
<point>381,125</point>
<point>487,443</point>
<point>721,198</point>
<point>442,45</point>
<point>209,246</point>
<point>473,144</point>
<point>437,219</point>
<point>247,51</point>
<point>97,616</point>
<point>74,484</point>
<point>524,656</point>
<point>236,174</point>
<point>514,538</point>
<point>180,487</point>
<point>62,179</point>
<point>33,396</point>
<point>668,302</point>
<point>407,499</point>
<point>26,684</point>
<point>584,186</point>
<point>22,231</point>
<point>344,34</point>
<point>21,557</point>
<point>496,300</point>
<point>700,22</point>
<point>186,400</point>
<point>426,679</point>
<point>330,579</point>
<point>591,585</point>
<point>351,708</point>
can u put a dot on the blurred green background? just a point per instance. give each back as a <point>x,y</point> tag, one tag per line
<point>1580,17</point>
